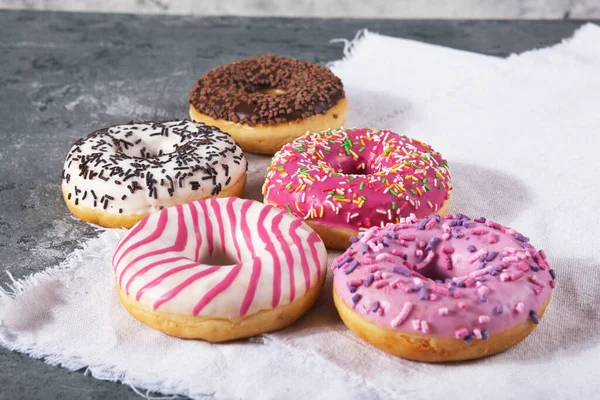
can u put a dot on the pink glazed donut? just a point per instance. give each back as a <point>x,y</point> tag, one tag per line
<point>345,181</point>
<point>442,289</point>
<point>219,269</point>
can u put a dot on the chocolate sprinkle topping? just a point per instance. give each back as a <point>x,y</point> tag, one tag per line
<point>234,92</point>
<point>195,158</point>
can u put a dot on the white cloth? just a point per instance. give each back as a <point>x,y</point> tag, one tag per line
<point>521,136</point>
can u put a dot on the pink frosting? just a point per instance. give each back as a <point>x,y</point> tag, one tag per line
<point>445,277</point>
<point>269,258</point>
<point>357,178</point>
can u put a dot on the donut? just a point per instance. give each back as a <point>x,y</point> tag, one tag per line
<point>346,181</point>
<point>117,175</point>
<point>267,101</point>
<point>219,269</point>
<point>442,289</point>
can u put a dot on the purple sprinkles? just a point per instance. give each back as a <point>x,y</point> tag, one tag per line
<point>534,317</point>
<point>351,267</point>
<point>443,273</point>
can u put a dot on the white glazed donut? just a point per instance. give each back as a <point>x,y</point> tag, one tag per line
<point>117,175</point>
<point>219,269</point>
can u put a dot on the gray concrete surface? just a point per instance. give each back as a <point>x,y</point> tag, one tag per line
<point>64,75</point>
<point>498,9</point>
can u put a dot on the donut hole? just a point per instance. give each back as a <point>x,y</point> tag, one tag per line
<point>147,149</point>
<point>348,166</point>
<point>219,258</point>
<point>435,272</point>
<point>353,166</point>
<point>269,91</point>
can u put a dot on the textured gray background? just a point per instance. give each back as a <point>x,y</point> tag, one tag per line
<point>498,9</point>
<point>64,75</point>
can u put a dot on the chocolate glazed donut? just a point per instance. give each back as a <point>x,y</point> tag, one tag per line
<point>267,101</point>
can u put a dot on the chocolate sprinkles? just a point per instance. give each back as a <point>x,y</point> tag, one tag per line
<point>267,89</point>
<point>192,156</point>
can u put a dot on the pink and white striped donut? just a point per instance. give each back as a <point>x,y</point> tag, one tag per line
<point>219,269</point>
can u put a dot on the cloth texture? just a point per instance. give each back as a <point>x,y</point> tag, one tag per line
<point>521,136</point>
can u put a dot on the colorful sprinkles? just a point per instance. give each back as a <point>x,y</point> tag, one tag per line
<point>400,278</point>
<point>357,178</point>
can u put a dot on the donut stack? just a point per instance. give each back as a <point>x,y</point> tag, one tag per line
<point>200,262</point>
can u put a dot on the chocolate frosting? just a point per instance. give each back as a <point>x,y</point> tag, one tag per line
<point>236,92</point>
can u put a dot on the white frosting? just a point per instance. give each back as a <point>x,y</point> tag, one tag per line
<point>159,254</point>
<point>132,169</point>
